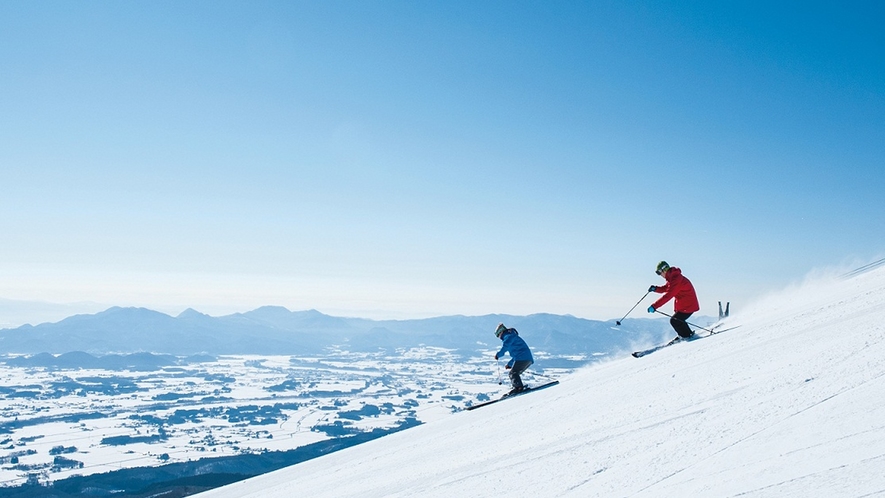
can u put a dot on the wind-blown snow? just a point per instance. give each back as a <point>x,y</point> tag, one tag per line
<point>792,403</point>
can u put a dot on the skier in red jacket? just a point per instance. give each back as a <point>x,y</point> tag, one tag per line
<point>686,300</point>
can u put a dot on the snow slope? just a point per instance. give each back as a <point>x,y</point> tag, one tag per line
<point>792,403</point>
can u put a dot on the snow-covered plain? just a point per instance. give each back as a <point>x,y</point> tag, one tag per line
<point>234,405</point>
<point>790,404</point>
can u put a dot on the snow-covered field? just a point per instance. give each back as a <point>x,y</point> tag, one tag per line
<point>790,404</point>
<point>61,422</point>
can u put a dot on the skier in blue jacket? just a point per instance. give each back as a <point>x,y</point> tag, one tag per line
<point>520,355</point>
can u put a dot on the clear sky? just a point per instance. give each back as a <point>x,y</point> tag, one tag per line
<point>407,159</point>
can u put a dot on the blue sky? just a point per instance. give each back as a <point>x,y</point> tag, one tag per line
<point>405,159</point>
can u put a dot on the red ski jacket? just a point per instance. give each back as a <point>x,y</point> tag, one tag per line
<point>679,287</point>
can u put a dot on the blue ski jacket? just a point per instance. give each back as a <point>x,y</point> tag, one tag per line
<point>513,344</point>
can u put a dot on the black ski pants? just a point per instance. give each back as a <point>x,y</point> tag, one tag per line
<point>516,370</point>
<point>679,324</point>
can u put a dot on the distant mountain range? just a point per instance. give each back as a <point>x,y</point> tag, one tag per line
<point>276,330</point>
<point>131,361</point>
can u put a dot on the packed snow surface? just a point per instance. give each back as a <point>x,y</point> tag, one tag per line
<point>789,404</point>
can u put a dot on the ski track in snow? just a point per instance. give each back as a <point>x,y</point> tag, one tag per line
<point>788,405</point>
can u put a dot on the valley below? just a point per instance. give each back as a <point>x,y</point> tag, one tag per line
<point>73,415</point>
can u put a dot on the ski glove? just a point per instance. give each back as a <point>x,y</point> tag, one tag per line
<point>651,309</point>
<point>653,288</point>
<point>496,356</point>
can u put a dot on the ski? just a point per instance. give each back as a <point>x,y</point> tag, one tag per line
<point>713,331</point>
<point>508,396</point>
<point>640,354</point>
<point>723,330</point>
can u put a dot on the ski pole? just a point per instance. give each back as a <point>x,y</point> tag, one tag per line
<point>498,364</point>
<point>633,308</point>
<point>686,321</point>
<point>542,375</point>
